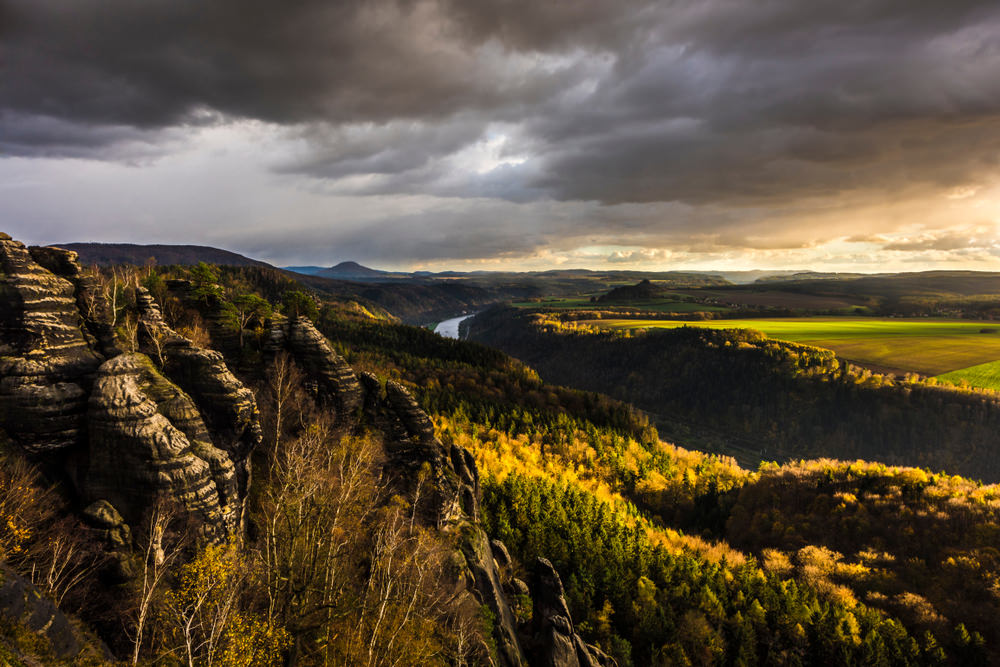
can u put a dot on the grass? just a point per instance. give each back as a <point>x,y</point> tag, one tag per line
<point>985,376</point>
<point>926,346</point>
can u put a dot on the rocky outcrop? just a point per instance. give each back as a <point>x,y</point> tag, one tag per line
<point>126,432</point>
<point>148,443</point>
<point>52,633</point>
<point>334,380</point>
<point>554,641</point>
<point>225,404</point>
<point>414,443</point>
<point>92,306</point>
<point>418,439</point>
<point>46,360</point>
<point>103,516</point>
<point>452,502</point>
<point>486,583</point>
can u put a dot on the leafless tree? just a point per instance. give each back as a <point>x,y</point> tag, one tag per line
<point>159,548</point>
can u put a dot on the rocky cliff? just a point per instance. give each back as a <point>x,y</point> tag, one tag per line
<point>148,442</point>
<point>122,429</point>
<point>47,362</point>
<point>168,421</point>
<point>552,639</point>
<point>334,380</point>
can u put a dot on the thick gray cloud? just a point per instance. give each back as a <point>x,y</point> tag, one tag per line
<point>725,123</point>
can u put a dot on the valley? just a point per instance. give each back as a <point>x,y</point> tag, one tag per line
<point>688,491</point>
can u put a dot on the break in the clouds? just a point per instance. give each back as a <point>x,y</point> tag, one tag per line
<point>428,132</point>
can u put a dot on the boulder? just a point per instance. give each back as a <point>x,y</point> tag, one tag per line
<point>500,554</point>
<point>102,515</point>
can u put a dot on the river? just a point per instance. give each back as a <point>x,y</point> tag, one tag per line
<point>449,328</point>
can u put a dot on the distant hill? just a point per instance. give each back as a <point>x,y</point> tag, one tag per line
<point>106,254</point>
<point>304,270</point>
<point>643,291</point>
<point>809,275</point>
<point>355,271</point>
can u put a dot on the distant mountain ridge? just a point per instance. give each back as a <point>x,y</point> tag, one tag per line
<point>106,254</point>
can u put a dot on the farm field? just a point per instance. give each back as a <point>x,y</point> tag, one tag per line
<point>984,376</point>
<point>927,346</point>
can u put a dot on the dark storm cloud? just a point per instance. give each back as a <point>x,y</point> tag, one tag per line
<point>153,63</point>
<point>698,101</point>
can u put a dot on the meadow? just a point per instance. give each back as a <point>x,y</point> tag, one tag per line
<point>927,346</point>
<point>986,376</point>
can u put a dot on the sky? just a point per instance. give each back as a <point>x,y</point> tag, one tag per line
<point>834,135</point>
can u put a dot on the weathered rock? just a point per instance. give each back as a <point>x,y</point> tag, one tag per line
<point>421,441</point>
<point>226,405</point>
<point>148,442</point>
<point>46,361</point>
<point>91,304</point>
<point>554,641</point>
<point>335,381</point>
<point>413,443</point>
<point>22,605</point>
<point>102,515</point>
<point>479,559</point>
<point>372,389</point>
<point>500,554</point>
<point>453,500</point>
<point>518,587</point>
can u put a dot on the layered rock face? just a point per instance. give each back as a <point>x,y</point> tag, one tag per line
<point>126,432</point>
<point>456,479</point>
<point>46,361</point>
<point>94,310</point>
<point>227,406</point>
<point>148,443</point>
<point>336,384</point>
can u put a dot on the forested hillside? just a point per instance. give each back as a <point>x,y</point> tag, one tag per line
<point>776,399</point>
<point>359,505</point>
<point>585,481</point>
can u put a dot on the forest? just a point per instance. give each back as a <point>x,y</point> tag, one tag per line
<point>666,555</point>
<point>769,399</point>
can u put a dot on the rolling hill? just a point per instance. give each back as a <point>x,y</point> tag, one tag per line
<point>106,254</point>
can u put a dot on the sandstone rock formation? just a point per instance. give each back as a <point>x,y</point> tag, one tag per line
<point>226,405</point>
<point>46,361</point>
<point>453,498</point>
<point>125,432</point>
<point>148,443</point>
<point>554,641</point>
<point>93,308</point>
<point>489,591</point>
<point>336,384</point>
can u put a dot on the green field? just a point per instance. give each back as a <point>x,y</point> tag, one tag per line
<point>986,376</point>
<point>927,346</point>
